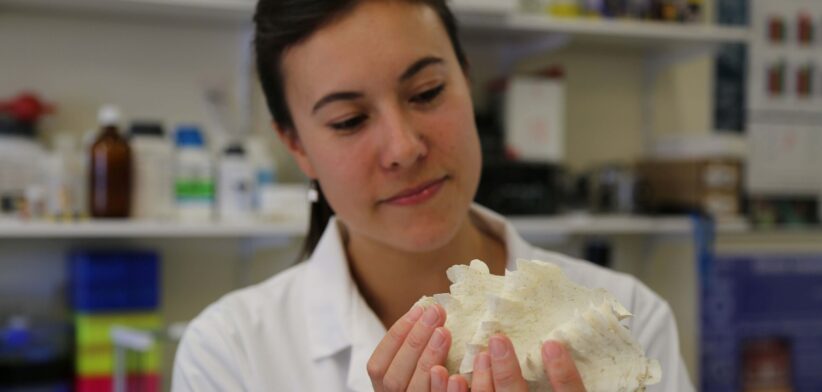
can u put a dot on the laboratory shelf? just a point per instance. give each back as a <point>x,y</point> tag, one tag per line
<point>509,27</point>
<point>148,229</point>
<point>619,225</point>
<point>223,11</point>
<point>528,226</point>
<point>619,32</point>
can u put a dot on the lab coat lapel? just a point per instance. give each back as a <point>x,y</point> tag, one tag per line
<point>327,295</point>
<point>339,317</point>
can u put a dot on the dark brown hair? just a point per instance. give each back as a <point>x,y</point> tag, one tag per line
<point>281,24</point>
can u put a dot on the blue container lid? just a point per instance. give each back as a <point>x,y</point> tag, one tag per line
<point>189,136</point>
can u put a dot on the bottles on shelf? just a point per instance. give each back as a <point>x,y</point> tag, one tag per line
<point>144,174</point>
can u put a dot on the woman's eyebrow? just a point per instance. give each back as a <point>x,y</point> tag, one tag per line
<point>418,66</point>
<point>338,96</point>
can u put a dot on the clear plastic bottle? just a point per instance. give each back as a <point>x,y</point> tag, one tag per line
<point>110,169</point>
<point>264,165</point>
<point>193,176</point>
<point>153,181</point>
<point>64,179</point>
<point>236,185</point>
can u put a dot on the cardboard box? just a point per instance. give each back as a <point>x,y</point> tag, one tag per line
<point>709,185</point>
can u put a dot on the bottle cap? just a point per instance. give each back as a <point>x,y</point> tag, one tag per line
<point>109,115</point>
<point>146,128</point>
<point>234,149</point>
<point>189,136</point>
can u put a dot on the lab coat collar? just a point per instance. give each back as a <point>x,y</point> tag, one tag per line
<point>338,316</point>
<point>515,246</point>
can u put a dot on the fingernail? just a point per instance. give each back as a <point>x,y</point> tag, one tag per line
<point>438,339</point>
<point>483,362</point>
<point>453,385</point>
<point>498,347</point>
<point>431,316</point>
<point>551,350</point>
<point>414,314</point>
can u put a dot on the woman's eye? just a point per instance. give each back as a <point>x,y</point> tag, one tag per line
<point>428,95</point>
<point>349,124</point>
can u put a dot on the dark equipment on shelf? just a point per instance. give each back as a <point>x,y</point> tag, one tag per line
<point>521,188</point>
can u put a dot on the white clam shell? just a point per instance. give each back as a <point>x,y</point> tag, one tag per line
<point>536,303</point>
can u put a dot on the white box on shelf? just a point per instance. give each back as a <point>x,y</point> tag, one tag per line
<point>284,202</point>
<point>535,118</point>
<point>784,159</point>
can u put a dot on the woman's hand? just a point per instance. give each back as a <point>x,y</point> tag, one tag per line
<point>403,359</point>
<point>498,370</point>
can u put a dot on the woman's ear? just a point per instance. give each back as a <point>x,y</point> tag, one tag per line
<point>292,142</point>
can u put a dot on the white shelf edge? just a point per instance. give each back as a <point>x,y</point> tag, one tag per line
<point>601,225</point>
<point>662,31</point>
<point>526,225</point>
<point>148,229</point>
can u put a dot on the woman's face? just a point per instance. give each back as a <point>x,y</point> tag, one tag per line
<point>384,121</point>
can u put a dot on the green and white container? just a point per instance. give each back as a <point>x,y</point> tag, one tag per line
<point>193,176</point>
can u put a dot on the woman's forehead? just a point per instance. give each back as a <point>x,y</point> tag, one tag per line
<point>375,39</point>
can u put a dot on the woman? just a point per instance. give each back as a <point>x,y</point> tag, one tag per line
<point>372,99</point>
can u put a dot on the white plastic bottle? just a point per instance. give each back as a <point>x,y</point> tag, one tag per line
<point>236,185</point>
<point>21,160</point>
<point>153,180</point>
<point>193,177</point>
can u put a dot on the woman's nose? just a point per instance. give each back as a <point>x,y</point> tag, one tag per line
<point>403,144</point>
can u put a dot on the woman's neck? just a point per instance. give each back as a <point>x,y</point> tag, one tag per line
<point>392,280</point>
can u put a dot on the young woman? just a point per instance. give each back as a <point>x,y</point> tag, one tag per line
<point>372,99</point>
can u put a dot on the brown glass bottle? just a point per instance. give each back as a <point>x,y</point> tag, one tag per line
<point>110,170</point>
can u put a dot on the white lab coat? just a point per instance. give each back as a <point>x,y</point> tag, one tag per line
<point>309,329</point>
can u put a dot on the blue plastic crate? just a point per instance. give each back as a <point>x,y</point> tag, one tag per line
<point>103,281</point>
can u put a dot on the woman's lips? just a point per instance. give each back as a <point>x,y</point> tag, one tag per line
<point>417,195</point>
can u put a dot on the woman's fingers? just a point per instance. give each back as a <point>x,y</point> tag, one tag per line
<point>505,368</point>
<point>457,384</point>
<point>440,382</point>
<point>439,379</point>
<point>402,367</point>
<point>560,368</point>
<point>389,346</point>
<point>434,354</point>
<point>481,379</point>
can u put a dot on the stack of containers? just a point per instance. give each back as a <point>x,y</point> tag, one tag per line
<point>114,288</point>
